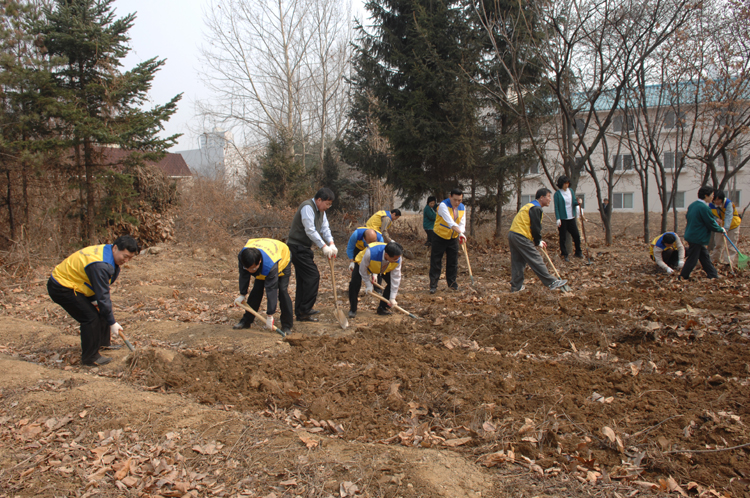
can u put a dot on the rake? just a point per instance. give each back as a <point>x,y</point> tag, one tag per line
<point>566,287</point>
<point>741,258</point>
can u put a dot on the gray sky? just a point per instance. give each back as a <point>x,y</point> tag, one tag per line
<point>173,30</point>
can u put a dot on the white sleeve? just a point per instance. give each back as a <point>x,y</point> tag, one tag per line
<point>325,230</point>
<point>445,214</point>
<point>680,250</point>
<point>395,280</point>
<point>308,221</point>
<point>659,260</point>
<point>463,222</point>
<point>728,215</point>
<point>364,265</point>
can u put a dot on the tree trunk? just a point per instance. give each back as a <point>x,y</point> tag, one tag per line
<point>9,201</point>
<point>646,236</point>
<point>90,187</point>
<point>473,203</point>
<point>499,207</point>
<point>25,185</point>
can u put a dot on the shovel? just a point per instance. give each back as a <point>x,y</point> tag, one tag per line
<point>125,340</point>
<point>588,255</point>
<point>729,257</point>
<point>343,321</point>
<point>247,308</point>
<point>466,253</point>
<point>399,308</point>
<point>566,287</point>
<point>741,258</point>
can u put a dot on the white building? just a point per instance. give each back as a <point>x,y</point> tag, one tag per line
<point>218,158</point>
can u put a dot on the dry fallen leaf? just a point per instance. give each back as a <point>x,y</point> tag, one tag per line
<point>309,442</point>
<point>607,431</point>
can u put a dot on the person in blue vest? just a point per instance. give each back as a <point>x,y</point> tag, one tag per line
<point>524,237</point>
<point>428,219</point>
<point>566,214</point>
<point>450,225</point>
<point>727,216</point>
<point>268,261</point>
<point>378,258</point>
<point>668,252</point>
<point>80,284</point>
<point>360,238</point>
<point>381,220</point>
<point>700,223</point>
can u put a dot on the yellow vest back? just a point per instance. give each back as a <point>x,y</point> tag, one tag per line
<point>522,223</point>
<point>71,273</point>
<point>377,252</point>
<point>375,221</point>
<point>273,251</point>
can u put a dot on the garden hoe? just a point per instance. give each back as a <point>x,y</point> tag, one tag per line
<point>566,287</point>
<point>466,253</point>
<point>741,258</point>
<point>399,308</point>
<point>588,254</point>
<point>125,340</point>
<point>247,308</point>
<point>343,321</point>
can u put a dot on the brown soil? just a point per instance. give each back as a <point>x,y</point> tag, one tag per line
<point>632,383</point>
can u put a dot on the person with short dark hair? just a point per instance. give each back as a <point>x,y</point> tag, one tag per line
<point>428,219</point>
<point>668,252</point>
<point>381,220</point>
<point>268,261</point>
<point>727,215</point>
<point>450,225</point>
<point>377,259</point>
<point>524,237</point>
<point>310,226</point>
<point>566,213</point>
<point>80,284</point>
<point>700,224</point>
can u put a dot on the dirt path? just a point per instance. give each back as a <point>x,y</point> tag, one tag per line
<point>618,388</point>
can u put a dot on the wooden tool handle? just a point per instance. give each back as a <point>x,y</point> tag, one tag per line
<point>399,308</point>
<point>125,340</point>
<point>333,281</point>
<point>247,308</point>
<point>551,263</point>
<point>466,253</point>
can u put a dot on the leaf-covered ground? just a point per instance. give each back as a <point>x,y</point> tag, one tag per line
<point>631,384</point>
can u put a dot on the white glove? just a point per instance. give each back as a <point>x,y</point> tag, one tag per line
<point>462,239</point>
<point>269,322</point>
<point>723,230</point>
<point>239,300</point>
<point>368,286</point>
<point>559,222</point>
<point>334,249</point>
<point>680,264</point>
<point>351,266</point>
<point>94,303</point>
<point>542,244</point>
<point>394,241</point>
<point>114,328</point>
<point>670,270</point>
<point>328,251</point>
<point>392,302</point>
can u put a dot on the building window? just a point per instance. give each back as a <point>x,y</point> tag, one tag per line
<point>735,157</point>
<point>736,197</point>
<point>679,199</point>
<point>672,159</point>
<point>582,198</point>
<point>670,121</point>
<point>622,201</point>
<point>533,169</point>
<point>619,120</point>
<point>525,199</point>
<point>623,162</point>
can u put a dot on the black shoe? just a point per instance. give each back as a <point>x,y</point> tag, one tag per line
<point>352,314</point>
<point>306,318</point>
<point>111,347</point>
<point>242,324</point>
<point>285,331</point>
<point>433,290</point>
<point>384,311</point>
<point>683,279</point>
<point>566,259</point>
<point>579,255</point>
<point>313,312</point>
<point>453,287</point>
<point>97,362</point>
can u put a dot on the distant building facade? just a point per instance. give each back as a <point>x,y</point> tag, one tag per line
<point>217,158</point>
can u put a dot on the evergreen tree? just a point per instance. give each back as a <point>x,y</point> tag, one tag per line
<point>101,105</point>
<point>283,179</point>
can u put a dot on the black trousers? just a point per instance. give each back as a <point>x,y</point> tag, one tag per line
<point>308,279</point>
<point>94,327</point>
<point>355,285</point>
<point>285,302</point>
<point>670,257</point>
<point>571,227</point>
<point>449,247</point>
<point>430,236</point>
<point>695,253</point>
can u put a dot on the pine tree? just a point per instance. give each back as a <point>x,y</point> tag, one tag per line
<point>100,104</point>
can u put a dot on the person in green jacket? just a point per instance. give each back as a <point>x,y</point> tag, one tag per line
<point>428,219</point>
<point>565,212</point>
<point>700,224</point>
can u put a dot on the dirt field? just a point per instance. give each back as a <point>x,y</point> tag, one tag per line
<point>632,384</point>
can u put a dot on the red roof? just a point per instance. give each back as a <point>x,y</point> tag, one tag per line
<point>172,165</point>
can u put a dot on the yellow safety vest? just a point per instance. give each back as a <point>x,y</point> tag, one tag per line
<point>375,222</point>
<point>442,229</point>
<point>522,223</point>
<point>274,251</point>
<point>664,246</point>
<point>377,250</point>
<point>71,273</point>
<point>721,211</point>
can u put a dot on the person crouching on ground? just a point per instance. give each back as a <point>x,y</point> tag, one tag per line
<point>80,284</point>
<point>377,259</point>
<point>268,261</point>
<point>668,252</point>
<point>700,224</point>
<point>524,237</point>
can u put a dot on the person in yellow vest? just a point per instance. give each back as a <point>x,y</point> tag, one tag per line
<point>668,252</point>
<point>450,225</point>
<point>268,261</point>
<point>378,258</point>
<point>381,220</point>
<point>80,284</point>
<point>524,237</point>
<point>728,217</point>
